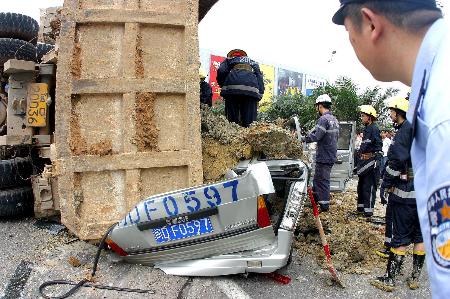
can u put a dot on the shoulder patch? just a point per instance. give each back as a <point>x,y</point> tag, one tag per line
<point>439,217</point>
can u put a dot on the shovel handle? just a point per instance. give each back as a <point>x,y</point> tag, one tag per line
<point>326,248</point>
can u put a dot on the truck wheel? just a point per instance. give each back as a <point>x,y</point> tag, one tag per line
<point>16,49</point>
<point>19,26</point>
<point>15,172</point>
<point>43,49</point>
<point>16,202</point>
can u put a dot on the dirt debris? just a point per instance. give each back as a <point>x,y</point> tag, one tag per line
<point>50,25</point>
<point>78,144</point>
<point>352,240</point>
<point>74,262</point>
<point>146,138</point>
<point>224,144</point>
<point>75,64</point>
<point>138,58</point>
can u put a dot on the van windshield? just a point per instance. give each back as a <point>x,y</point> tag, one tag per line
<point>345,135</point>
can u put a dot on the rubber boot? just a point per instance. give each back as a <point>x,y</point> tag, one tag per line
<point>418,260</point>
<point>387,282</point>
<point>384,253</point>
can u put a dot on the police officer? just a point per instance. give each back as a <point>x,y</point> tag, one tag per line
<point>369,160</point>
<point>242,87</point>
<point>326,134</point>
<point>205,89</point>
<point>375,29</point>
<point>398,181</point>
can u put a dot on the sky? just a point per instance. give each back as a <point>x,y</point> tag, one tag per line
<point>297,35</point>
<point>291,33</point>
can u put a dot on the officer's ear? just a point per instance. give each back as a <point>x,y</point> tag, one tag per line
<point>372,25</point>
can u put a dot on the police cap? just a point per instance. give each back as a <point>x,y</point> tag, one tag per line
<point>339,17</point>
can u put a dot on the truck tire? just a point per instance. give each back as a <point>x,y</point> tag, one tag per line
<point>19,26</point>
<point>16,202</point>
<point>42,49</point>
<point>15,172</point>
<point>16,49</point>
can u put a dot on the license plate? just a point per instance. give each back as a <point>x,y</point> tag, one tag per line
<point>37,105</point>
<point>183,230</point>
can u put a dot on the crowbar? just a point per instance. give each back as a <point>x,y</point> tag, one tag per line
<point>326,248</point>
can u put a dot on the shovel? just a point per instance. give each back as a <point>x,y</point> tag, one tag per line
<point>326,248</point>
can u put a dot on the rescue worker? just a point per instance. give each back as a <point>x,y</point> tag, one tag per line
<point>385,251</point>
<point>205,89</point>
<point>398,181</point>
<point>326,134</point>
<point>413,35</point>
<point>242,87</point>
<point>369,161</point>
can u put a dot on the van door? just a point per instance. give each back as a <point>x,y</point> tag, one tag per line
<point>342,170</point>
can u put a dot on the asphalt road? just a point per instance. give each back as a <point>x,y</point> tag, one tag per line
<point>32,255</point>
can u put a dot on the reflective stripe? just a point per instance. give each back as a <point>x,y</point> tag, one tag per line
<point>360,205</point>
<point>327,131</point>
<point>387,240</point>
<point>398,252</point>
<point>368,210</point>
<point>241,87</point>
<point>366,141</point>
<point>324,202</point>
<point>365,167</point>
<point>404,194</point>
<point>392,172</point>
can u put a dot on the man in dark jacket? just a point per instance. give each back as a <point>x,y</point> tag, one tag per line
<point>398,182</point>
<point>242,87</point>
<point>370,158</point>
<point>326,135</point>
<point>205,89</point>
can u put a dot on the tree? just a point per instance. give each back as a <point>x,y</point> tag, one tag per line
<point>346,96</point>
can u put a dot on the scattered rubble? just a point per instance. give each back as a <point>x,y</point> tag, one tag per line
<point>352,240</point>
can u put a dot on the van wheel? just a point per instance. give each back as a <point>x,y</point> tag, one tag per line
<point>19,26</point>
<point>16,49</point>
<point>15,172</point>
<point>16,202</point>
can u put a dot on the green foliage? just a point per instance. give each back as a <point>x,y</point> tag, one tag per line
<point>346,97</point>
<point>218,107</point>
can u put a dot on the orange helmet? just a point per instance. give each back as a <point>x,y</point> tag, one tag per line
<point>236,53</point>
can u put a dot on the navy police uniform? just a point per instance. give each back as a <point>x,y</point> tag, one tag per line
<point>326,134</point>
<point>429,113</point>
<point>205,93</point>
<point>242,87</point>
<point>367,168</point>
<point>399,180</point>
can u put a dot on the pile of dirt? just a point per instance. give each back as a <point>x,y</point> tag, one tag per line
<point>224,144</point>
<point>352,240</point>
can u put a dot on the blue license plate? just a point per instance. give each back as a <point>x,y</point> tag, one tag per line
<point>183,230</point>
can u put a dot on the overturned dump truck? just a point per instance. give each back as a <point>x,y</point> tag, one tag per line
<point>119,122</point>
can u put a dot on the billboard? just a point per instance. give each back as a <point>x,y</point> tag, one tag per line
<point>313,82</point>
<point>289,82</point>
<point>268,72</point>
<point>214,66</point>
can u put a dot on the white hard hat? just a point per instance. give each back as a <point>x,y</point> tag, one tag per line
<point>323,99</point>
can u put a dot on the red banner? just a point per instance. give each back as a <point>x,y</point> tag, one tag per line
<point>215,63</point>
